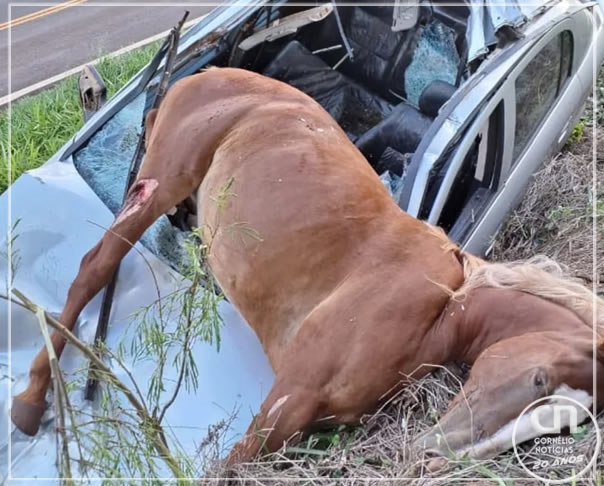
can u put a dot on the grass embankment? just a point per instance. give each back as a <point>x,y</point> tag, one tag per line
<point>42,123</point>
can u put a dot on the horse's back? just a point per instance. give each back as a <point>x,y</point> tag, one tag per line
<point>290,207</point>
<point>298,204</point>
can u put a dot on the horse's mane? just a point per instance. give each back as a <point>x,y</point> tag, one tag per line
<point>540,276</point>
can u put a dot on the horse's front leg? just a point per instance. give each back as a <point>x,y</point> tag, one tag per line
<point>285,414</point>
<point>145,202</point>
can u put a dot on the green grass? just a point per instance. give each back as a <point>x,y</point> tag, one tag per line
<point>42,123</point>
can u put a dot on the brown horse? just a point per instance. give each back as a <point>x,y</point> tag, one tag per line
<point>345,291</point>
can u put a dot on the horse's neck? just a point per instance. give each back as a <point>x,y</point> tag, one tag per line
<point>488,315</point>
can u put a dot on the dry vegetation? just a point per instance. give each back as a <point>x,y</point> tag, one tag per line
<point>380,451</point>
<point>556,216</point>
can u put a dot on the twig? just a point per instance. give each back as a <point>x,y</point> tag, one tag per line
<point>74,425</point>
<point>191,290</point>
<point>122,365</point>
<point>156,434</point>
<point>58,391</point>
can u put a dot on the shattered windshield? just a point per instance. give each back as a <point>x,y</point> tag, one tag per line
<point>104,163</point>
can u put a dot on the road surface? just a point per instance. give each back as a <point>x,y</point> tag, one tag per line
<point>52,38</point>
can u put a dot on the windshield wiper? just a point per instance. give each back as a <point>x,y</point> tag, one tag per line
<point>169,49</point>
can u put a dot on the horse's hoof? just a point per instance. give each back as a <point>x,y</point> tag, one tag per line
<point>26,415</point>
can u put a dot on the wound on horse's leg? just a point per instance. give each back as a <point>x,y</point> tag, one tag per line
<point>96,269</point>
<point>139,193</point>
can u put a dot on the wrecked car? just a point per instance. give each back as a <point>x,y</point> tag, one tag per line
<point>453,106</point>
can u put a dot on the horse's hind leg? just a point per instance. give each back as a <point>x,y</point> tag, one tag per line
<point>286,411</point>
<point>145,202</point>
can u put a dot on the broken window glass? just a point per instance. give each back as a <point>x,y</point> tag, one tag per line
<point>104,163</point>
<point>538,86</point>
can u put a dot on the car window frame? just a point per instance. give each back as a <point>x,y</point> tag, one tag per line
<point>459,112</point>
<point>526,60</point>
<point>505,93</point>
<point>479,238</point>
<point>462,149</point>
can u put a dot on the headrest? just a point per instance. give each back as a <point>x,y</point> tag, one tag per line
<point>435,95</point>
<point>293,60</point>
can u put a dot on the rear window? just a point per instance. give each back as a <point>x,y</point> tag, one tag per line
<point>538,86</point>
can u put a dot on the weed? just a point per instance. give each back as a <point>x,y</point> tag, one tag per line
<point>41,124</point>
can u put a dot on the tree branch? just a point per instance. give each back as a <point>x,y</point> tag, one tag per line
<point>157,435</point>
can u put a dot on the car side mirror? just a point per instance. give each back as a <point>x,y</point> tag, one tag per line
<point>93,93</point>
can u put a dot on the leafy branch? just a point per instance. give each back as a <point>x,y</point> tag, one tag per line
<point>156,432</point>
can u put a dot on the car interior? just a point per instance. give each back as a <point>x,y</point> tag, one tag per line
<point>381,72</point>
<point>383,86</point>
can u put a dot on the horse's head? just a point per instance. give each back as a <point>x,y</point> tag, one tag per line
<point>506,378</point>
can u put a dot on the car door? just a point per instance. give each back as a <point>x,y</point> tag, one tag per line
<point>472,175</point>
<point>526,120</point>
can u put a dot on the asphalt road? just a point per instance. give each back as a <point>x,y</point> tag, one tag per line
<point>52,41</point>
